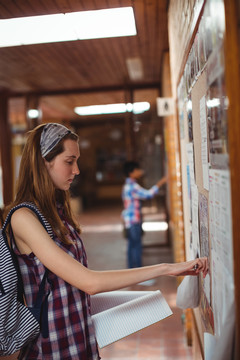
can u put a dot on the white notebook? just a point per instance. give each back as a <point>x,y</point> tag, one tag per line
<point>118,314</point>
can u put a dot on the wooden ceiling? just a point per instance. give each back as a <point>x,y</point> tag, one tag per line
<point>63,75</point>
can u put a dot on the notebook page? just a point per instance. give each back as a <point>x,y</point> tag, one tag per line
<point>108,300</point>
<point>122,320</point>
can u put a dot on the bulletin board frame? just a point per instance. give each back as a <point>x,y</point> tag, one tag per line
<point>194,82</point>
<point>232,71</point>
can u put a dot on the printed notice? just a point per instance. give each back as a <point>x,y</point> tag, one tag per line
<point>195,220</point>
<point>204,142</point>
<point>220,230</point>
<point>190,157</point>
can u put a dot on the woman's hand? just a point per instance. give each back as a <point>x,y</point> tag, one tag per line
<point>192,267</point>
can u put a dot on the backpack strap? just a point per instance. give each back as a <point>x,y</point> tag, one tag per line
<point>39,310</point>
<point>35,209</point>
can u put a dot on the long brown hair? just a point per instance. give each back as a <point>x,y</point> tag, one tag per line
<point>35,185</point>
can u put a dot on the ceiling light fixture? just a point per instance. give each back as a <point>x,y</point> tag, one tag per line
<point>67,27</point>
<point>136,108</point>
<point>104,23</point>
<point>33,113</point>
<point>135,68</point>
<point>155,226</point>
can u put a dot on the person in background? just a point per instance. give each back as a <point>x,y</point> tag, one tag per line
<point>132,196</point>
<point>48,166</point>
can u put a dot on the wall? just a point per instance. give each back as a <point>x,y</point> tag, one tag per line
<point>103,153</point>
<point>173,169</point>
<point>199,48</point>
<point>182,19</point>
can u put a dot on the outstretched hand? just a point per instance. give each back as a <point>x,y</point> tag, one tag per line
<point>192,267</point>
<point>162,181</point>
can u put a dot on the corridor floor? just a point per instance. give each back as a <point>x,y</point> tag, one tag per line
<point>106,249</point>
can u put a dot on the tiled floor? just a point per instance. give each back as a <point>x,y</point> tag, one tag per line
<point>106,249</point>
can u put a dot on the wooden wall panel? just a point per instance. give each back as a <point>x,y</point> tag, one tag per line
<point>232,55</point>
<point>174,174</point>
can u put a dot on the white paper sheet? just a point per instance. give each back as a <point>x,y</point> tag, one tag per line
<point>195,220</point>
<point>220,231</point>
<point>222,347</point>
<point>190,157</point>
<point>118,314</point>
<point>209,346</point>
<point>204,142</point>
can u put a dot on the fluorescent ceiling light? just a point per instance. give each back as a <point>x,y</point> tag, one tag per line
<point>33,113</point>
<point>35,30</point>
<point>155,226</point>
<point>66,27</point>
<point>215,102</point>
<point>104,23</point>
<point>140,107</point>
<point>136,108</point>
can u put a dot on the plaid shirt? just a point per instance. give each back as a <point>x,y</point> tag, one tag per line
<point>132,194</point>
<point>71,331</point>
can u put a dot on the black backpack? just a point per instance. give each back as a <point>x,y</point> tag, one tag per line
<point>19,324</point>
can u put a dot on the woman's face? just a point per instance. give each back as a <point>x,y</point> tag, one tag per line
<point>63,168</point>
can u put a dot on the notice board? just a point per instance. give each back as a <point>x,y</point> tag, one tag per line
<point>203,130</point>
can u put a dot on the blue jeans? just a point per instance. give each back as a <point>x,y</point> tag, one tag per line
<point>134,236</point>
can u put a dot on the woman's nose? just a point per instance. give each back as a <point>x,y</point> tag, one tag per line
<point>76,170</point>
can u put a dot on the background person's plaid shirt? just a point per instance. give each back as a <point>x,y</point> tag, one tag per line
<point>132,194</point>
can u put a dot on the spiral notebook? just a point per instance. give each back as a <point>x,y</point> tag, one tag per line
<point>118,314</point>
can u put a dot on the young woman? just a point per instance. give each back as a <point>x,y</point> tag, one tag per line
<point>48,166</point>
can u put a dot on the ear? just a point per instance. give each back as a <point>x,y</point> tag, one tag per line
<point>48,164</point>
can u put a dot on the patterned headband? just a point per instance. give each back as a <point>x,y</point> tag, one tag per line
<point>51,135</point>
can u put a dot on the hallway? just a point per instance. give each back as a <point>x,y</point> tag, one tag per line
<point>106,249</point>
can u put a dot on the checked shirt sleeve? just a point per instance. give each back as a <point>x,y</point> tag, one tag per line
<point>141,193</point>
